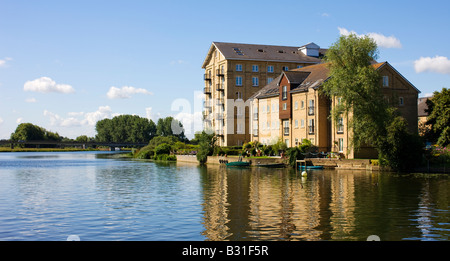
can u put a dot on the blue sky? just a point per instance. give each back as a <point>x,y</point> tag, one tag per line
<point>66,64</point>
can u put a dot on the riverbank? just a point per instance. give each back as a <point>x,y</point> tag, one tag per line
<point>44,150</point>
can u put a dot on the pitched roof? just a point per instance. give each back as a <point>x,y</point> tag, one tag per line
<point>239,51</point>
<point>270,90</point>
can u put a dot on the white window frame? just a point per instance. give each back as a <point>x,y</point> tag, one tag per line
<point>296,124</point>
<point>238,67</point>
<point>296,105</point>
<point>255,68</point>
<point>270,68</point>
<point>255,81</point>
<point>238,80</point>
<point>341,144</point>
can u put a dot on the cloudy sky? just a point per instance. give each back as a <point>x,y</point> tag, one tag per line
<point>66,64</point>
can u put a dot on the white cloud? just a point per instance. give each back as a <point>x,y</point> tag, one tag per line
<point>46,85</point>
<point>381,40</point>
<point>192,122</point>
<point>125,92</point>
<point>31,100</point>
<point>325,15</point>
<point>19,120</point>
<point>4,61</point>
<point>437,64</point>
<point>80,118</point>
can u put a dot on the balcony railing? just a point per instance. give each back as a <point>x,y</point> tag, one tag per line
<point>220,87</point>
<point>207,77</point>
<point>340,128</point>
<point>220,72</point>
<point>207,90</point>
<point>255,116</point>
<point>207,104</point>
<point>219,116</point>
<point>286,131</point>
<point>311,129</point>
<point>311,110</point>
<point>220,101</point>
<point>219,132</point>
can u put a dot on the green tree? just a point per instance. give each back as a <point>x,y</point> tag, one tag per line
<point>356,83</point>
<point>206,146</point>
<point>28,132</point>
<point>439,117</point>
<point>125,128</point>
<point>170,127</point>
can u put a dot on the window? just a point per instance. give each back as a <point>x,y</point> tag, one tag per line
<point>285,68</point>
<point>239,81</point>
<point>296,105</point>
<point>311,107</point>
<point>341,144</point>
<point>340,125</point>
<point>286,127</point>
<point>284,106</point>
<point>302,105</point>
<point>268,125</point>
<point>269,80</point>
<point>385,81</point>
<point>296,124</point>
<point>287,142</point>
<point>255,68</point>
<point>401,101</point>
<point>311,126</point>
<point>238,67</point>
<point>270,69</point>
<point>255,81</point>
<point>268,108</point>
<point>302,123</point>
<point>296,141</point>
<point>239,95</point>
<point>284,93</point>
<point>299,66</point>
<point>273,107</point>
<point>239,128</point>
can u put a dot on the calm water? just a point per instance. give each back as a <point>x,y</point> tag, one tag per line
<point>49,196</point>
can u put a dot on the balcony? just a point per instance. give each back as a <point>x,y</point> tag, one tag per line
<point>311,129</point>
<point>255,116</point>
<point>220,72</point>
<point>219,116</point>
<point>207,77</point>
<point>207,104</point>
<point>219,132</point>
<point>220,87</point>
<point>311,110</point>
<point>207,90</point>
<point>286,131</point>
<point>255,133</point>
<point>340,129</point>
<point>220,101</point>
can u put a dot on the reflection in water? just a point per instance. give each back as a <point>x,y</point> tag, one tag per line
<point>263,204</point>
<point>50,196</point>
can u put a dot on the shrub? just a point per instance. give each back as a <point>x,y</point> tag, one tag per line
<point>163,148</point>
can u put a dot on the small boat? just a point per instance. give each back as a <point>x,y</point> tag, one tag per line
<point>238,164</point>
<point>271,165</point>
<point>309,167</point>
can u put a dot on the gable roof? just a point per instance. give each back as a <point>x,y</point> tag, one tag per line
<point>259,52</point>
<point>422,106</point>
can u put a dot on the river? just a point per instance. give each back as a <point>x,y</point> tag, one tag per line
<point>49,196</point>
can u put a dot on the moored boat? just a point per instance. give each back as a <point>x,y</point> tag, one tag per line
<point>271,165</point>
<point>309,167</point>
<point>238,164</point>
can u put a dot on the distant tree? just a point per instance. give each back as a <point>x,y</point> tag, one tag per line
<point>125,128</point>
<point>170,127</point>
<point>439,117</point>
<point>28,132</point>
<point>82,138</point>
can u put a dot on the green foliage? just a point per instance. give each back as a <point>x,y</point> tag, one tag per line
<point>439,117</point>
<point>206,146</point>
<point>170,127</point>
<point>31,132</point>
<point>163,149</point>
<point>399,149</point>
<point>298,153</point>
<point>356,83</point>
<point>146,152</point>
<point>279,147</point>
<point>125,128</point>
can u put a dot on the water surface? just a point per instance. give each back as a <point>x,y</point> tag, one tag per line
<point>49,196</point>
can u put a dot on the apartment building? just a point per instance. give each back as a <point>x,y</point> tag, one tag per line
<point>304,112</point>
<point>234,72</point>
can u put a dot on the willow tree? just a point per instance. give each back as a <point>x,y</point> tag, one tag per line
<point>355,82</point>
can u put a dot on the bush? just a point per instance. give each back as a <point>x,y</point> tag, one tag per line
<point>146,152</point>
<point>165,157</point>
<point>163,149</point>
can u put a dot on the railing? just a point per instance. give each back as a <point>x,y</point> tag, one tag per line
<point>220,101</point>
<point>311,110</point>
<point>207,90</point>
<point>219,116</point>
<point>207,104</point>
<point>219,132</point>
<point>220,72</point>
<point>220,87</point>
<point>255,116</point>
<point>340,129</point>
<point>207,77</point>
<point>286,131</point>
<point>255,133</point>
<point>311,129</point>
